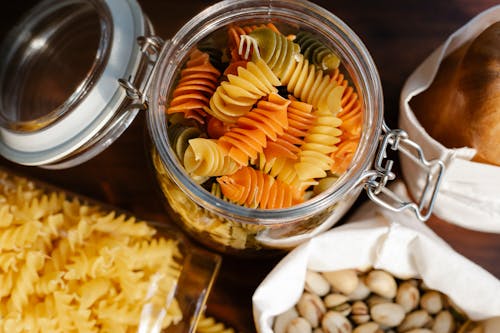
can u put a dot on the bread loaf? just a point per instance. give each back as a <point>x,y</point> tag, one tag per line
<point>462,105</point>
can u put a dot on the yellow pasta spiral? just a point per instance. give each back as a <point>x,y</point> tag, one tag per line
<point>205,158</point>
<point>235,97</point>
<point>210,325</point>
<point>24,283</point>
<point>320,142</point>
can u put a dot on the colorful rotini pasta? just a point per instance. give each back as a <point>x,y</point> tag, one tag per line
<point>316,51</point>
<point>253,188</point>
<point>69,267</point>
<point>235,98</point>
<point>196,85</point>
<point>287,145</point>
<point>234,33</point>
<point>205,158</point>
<point>282,111</point>
<point>265,122</point>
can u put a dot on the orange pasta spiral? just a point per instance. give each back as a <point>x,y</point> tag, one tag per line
<point>252,131</point>
<point>235,98</point>
<point>343,156</point>
<point>300,120</point>
<point>197,83</point>
<point>253,188</point>
<point>352,117</point>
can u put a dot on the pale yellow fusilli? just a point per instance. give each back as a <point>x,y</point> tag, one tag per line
<point>69,267</point>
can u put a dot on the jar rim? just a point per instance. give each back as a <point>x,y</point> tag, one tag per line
<point>348,44</point>
<point>94,114</point>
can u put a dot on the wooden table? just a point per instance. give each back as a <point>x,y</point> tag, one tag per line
<point>399,34</point>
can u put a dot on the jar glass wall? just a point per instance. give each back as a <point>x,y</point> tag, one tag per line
<point>230,227</point>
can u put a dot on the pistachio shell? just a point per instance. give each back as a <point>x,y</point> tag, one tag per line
<point>415,319</point>
<point>283,320</point>
<point>318,330</point>
<point>370,327</point>
<point>311,307</point>
<point>431,301</point>
<point>344,281</point>
<point>376,299</point>
<point>381,283</point>
<point>359,308</point>
<point>388,314</point>
<point>335,322</point>
<point>420,330</point>
<point>443,323</point>
<point>316,283</point>
<point>361,292</point>
<point>408,296</point>
<point>344,309</point>
<point>360,319</point>
<point>333,300</point>
<point>471,327</point>
<point>299,325</point>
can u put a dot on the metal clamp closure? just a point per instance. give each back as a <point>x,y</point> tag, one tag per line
<point>150,47</point>
<point>397,140</point>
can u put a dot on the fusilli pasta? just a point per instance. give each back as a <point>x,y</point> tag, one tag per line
<point>253,188</point>
<point>316,51</point>
<point>196,86</point>
<point>235,97</point>
<point>66,266</point>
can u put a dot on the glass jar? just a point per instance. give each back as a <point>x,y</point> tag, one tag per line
<point>56,125</point>
<point>236,229</point>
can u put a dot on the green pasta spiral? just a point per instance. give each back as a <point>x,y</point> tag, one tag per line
<point>276,50</point>
<point>316,52</point>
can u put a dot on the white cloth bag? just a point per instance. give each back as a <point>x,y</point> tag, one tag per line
<point>470,192</point>
<point>395,242</point>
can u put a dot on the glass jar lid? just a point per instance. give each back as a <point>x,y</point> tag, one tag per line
<point>60,99</point>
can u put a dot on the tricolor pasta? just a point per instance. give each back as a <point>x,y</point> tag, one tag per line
<point>282,117</point>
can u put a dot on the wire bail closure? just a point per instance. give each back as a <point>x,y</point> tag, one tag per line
<point>151,47</point>
<point>376,185</point>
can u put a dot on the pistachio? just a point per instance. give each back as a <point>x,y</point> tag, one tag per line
<point>370,327</point>
<point>359,308</point>
<point>311,307</point>
<point>361,291</point>
<point>387,314</point>
<point>408,296</point>
<point>316,283</point>
<point>431,301</point>
<point>420,330</point>
<point>471,327</point>
<point>344,309</point>
<point>415,319</point>
<point>281,322</point>
<point>333,300</point>
<point>376,299</point>
<point>344,281</point>
<point>443,323</point>
<point>318,330</point>
<point>381,283</point>
<point>360,319</point>
<point>335,322</point>
<point>299,325</point>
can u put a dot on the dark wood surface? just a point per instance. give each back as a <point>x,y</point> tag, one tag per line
<point>399,35</point>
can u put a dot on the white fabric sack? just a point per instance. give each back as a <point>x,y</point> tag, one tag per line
<point>397,243</point>
<point>470,191</point>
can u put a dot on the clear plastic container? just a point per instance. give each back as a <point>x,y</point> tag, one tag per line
<point>184,293</point>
